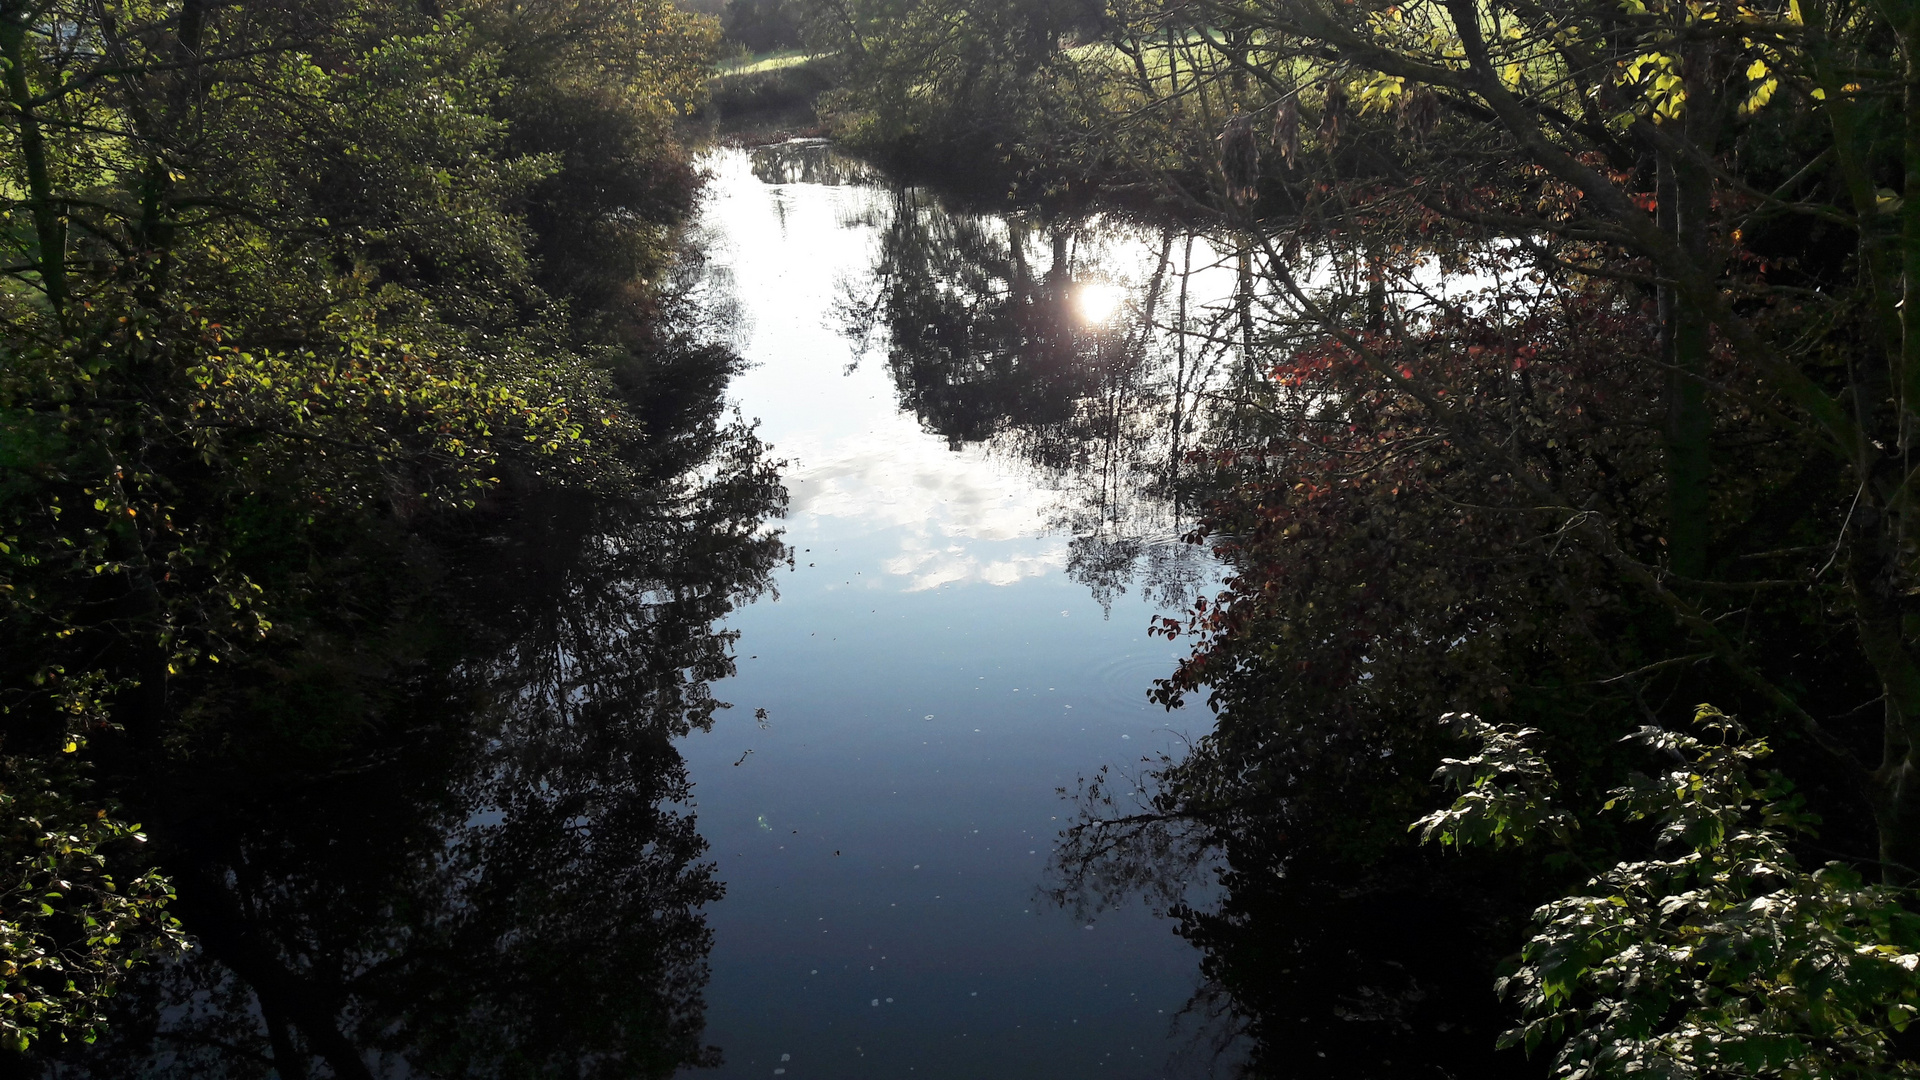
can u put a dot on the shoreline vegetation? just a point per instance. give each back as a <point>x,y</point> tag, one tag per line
<point>303,307</point>
<point>772,97</point>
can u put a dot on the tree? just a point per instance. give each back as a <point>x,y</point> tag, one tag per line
<point>970,88</point>
<point>1724,158</point>
<point>281,285</point>
<point>1721,956</point>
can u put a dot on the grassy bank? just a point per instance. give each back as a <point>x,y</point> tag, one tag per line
<point>783,86</point>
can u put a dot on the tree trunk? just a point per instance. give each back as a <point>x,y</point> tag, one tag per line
<point>1243,307</point>
<point>288,1062</point>
<point>210,912</point>
<point>1376,284</point>
<point>1687,340</point>
<point>49,225</point>
<point>1908,376</point>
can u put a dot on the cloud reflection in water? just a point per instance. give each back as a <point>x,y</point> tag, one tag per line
<point>959,517</point>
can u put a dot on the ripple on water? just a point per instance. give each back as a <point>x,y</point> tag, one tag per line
<point>1121,682</point>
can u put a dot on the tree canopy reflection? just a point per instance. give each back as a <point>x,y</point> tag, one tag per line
<point>1329,945</point>
<point>1049,341</point>
<point>473,853</point>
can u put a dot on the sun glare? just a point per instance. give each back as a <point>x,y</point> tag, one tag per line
<point>1098,300</point>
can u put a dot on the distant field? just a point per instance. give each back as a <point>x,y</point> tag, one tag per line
<point>770,61</point>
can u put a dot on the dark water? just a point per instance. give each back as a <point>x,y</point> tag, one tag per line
<point>758,773</point>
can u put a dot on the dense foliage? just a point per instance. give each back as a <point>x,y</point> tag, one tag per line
<point>284,285</point>
<point>1721,956</point>
<point>1582,355</point>
<point>973,91</point>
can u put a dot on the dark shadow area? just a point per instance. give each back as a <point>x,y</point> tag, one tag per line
<point>458,840</point>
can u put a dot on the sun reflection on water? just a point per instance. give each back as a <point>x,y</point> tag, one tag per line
<point>1098,300</point>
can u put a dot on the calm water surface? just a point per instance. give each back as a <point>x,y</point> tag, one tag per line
<point>509,830</point>
<point>981,530</point>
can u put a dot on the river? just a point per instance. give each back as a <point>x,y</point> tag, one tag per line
<point>978,548</point>
<point>758,766</point>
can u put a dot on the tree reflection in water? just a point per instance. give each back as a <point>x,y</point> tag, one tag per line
<point>1313,964</point>
<point>1053,342</point>
<point>810,161</point>
<point>476,858</point>
<point>1316,963</point>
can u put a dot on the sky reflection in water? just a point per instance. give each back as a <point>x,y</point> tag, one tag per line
<point>931,674</point>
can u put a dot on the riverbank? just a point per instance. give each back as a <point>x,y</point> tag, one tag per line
<point>770,98</point>
<point>416,276</point>
<point>783,94</point>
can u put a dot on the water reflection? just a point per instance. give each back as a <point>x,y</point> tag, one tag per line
<point>1089,355</point>
<point>1315,965</point>
<point>810,161</point>
<point>931,672</point>
<point>1098,301</point>
<point>1087,349</point>
<point>485,864</point>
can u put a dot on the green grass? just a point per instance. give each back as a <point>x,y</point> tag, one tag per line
<point>769,61</point>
